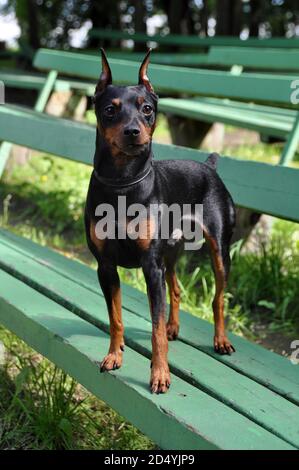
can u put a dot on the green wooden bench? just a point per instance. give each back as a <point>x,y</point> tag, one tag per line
<point>265,59</point>
<point>220,96</point>
<point>249,400</point>
<point>253,58</point>
<point>194,41</point>
<point>44,85</point>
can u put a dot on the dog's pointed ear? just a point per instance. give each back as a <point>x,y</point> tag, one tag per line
<point>106,75</point>
<point>143,78</point>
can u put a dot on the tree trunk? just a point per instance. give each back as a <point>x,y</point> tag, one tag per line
<point>139,22</point>
<point>204,16</point>
<point>187,132</point>
<point>176,12</point>
<point>254,18</point>
<point>33,25</point>
<point>228,17</point>
<point>103,16</point>
<point>224,18</point>
<point>237,18</point>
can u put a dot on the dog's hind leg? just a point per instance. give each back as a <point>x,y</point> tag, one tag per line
<point>173,323</point>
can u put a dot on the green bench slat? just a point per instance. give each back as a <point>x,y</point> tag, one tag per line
<point>275,190</point>
<point>252,360</point>
<point>170,420</point>
<point>192,40</point>
<point>183,80</point>
<point>36,82</point>
<point>256,58</point>
<point>181,59</point>
<point>250,119</point>
<point>266,88</point>
<point>249,398</point>
<point>282,113</point>
<point>272,59</point>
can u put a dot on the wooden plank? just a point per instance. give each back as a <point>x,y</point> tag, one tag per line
<point>249,119</point>
<point>252,360</point>
<point>291,144</point>
<point>37,81</point>
<point>75,346</point>
<point>271,59</point>
<point>24,81</point>
<point>181,58</point>
<point>248,86</point>
<point>5,148</point>
<point>45,92</point>
<point>40,105</point>
<point>192,40</point>
<point>266,188</point>
<point>282,113</point>
<point>275,190</point>
<point>249,398</point>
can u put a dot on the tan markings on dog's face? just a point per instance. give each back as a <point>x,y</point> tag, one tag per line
<point>140,100</point>
<point>112,137</point>
<point>146,133</point>
<point>97,241</point>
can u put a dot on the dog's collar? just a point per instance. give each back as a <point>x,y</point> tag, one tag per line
<point>123,182</point>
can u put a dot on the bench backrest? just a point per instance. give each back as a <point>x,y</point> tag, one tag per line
<point>265,59</point>
<point>247,86</point>
<point>281,60</point>
<point>265,188</point>
<point>195,41</point>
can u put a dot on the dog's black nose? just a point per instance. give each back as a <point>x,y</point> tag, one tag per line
<point>131,132</point>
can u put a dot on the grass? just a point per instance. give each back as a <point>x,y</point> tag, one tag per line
<point>41,407</point>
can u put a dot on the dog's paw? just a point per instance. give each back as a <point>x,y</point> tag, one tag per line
<point>160,379</point>
<point>112,361</point>
<point>222,345</point>
<point>172,330</point>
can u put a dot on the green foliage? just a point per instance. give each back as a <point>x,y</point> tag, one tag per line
<point>52,197</point>
<point>42,408</point>
<point>52,19</point>
<point>266,282</point>
<point>50,23</point>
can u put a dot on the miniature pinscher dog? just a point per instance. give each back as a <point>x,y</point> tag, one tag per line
<point>124,166</point>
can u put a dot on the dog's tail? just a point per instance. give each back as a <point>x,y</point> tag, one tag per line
<point>212,160</point>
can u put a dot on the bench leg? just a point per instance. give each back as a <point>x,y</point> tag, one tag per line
<point>187,132</point>
<point>5,149</point>
<point>291,144</point>
<point>40,105</point>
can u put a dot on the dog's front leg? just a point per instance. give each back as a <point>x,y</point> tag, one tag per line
<point>109,281</point>
<point>155,281</point>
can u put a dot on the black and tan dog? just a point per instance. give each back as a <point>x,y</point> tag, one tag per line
<point>123,166</point>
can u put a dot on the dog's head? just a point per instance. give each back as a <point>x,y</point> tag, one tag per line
<point>126,115</point>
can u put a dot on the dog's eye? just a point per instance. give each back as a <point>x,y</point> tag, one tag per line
<point>109,111</point>
<point>147,110</point>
